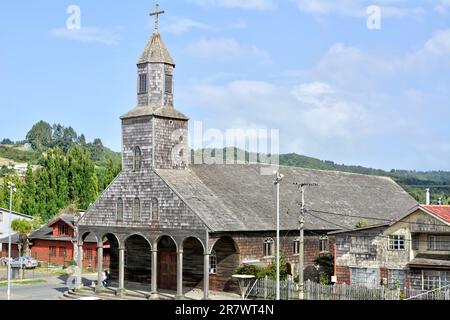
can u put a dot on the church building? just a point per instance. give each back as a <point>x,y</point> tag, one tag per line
<point>171,225</point>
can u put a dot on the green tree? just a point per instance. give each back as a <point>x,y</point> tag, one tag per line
<point>7,141</point>
<point>40,135</point>
<point>24,228</point>
<point>5,192</point>
<point>29,205</point>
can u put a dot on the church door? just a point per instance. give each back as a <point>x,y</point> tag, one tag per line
<point>167,266</point>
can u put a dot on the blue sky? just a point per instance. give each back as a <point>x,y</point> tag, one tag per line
<point>310,68</point>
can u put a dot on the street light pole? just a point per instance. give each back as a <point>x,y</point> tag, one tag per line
<point>12,189</point>
<point>279,177</point>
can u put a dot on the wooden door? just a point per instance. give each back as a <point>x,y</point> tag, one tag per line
<point>167,270</point>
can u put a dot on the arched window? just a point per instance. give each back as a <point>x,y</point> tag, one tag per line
<point>213,262</point>
<point>155,209</point>
<point>136,209</point>
<point>268,247</point>
<point>137,159</point>
<point>119,209</point>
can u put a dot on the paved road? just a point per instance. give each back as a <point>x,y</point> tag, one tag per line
<point>51,290</point>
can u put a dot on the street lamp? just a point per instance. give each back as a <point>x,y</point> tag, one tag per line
<point>279,177</point>
<point>12,189</point>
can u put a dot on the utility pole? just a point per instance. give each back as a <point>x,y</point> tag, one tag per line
<point>12,189</point>
<point>301,256</point>
<point>279,177</point>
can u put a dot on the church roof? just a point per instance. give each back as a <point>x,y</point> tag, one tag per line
<point>239,198</point>
<point>155,110</point>
<point>156,51</point>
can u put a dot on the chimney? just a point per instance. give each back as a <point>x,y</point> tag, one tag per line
<point>440,202</point>
<point>428,197</point>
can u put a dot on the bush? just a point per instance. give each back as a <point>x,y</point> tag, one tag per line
<point>261,272</point>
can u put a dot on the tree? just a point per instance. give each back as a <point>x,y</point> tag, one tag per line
<point>5,192</point>
<point>40,135</point>
<point>96,149</point>
<point>24,228</point>
<point>7,141</point>
<point>29,205</point>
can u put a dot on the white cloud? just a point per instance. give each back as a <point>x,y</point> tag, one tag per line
<point>181,26</point>
<point>357,8</point>
<point>242,4</point>
<point>87,35</point>
<point>442,7</point>
<point>224,49</point>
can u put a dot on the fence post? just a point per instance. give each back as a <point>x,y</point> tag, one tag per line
<point>288,285</point>
<point>265,287</point>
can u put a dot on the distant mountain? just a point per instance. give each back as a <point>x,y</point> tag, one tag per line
<point>414,182</point>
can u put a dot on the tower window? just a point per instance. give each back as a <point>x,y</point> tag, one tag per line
<point>169,83</point>
<point>119,209</point>
<point>143,83</point>
<point>137,158</point>
<point>136,209</point>
<point>155,209</point>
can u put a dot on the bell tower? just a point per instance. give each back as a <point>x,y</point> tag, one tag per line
<point>154,133</point>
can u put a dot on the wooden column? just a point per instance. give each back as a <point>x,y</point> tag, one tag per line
<point>154,293</point>
<point>79,282</point>
<point>206,277</point>
<point>99,269</point>
<point>121,288</point>
<point>179,295</point>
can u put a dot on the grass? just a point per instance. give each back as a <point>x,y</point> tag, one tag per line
<point>23,283</point>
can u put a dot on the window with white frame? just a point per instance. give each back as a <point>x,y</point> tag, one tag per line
<point>396,242</point>
<point>396,279</point>
<point>296,246</point>
<point>268,247</point>
<point>368,277</point>
<point>435,279</point>
<point>438,243</point>
<point>324,244</point>
<point>213,263</point>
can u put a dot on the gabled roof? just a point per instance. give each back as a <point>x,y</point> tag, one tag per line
<point>17,214</point>
<point>156,51</point>
<point>68,219</point>
<point>442,212</point>
<point>237,197</point>
<point>155,110</point>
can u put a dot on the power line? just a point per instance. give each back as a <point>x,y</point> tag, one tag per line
<point>365,235</point>
<point>373,218</point>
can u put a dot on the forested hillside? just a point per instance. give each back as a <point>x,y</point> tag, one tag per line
<point>65,170</point>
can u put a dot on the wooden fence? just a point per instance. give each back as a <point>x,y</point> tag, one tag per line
<point>266,289</point>
<point>438,294</point>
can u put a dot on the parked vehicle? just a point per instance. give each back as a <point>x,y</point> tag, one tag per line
<point>24,262</point>
<point>4,261</point>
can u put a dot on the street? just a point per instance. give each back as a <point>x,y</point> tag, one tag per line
<point>52,289</point>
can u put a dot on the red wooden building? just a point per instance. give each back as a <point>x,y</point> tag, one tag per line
<point>56,244</point>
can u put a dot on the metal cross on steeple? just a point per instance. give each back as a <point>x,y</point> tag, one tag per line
<point>156,14</point>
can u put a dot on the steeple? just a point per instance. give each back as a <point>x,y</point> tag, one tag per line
<point>155,71</point>
<point>154,133</point>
